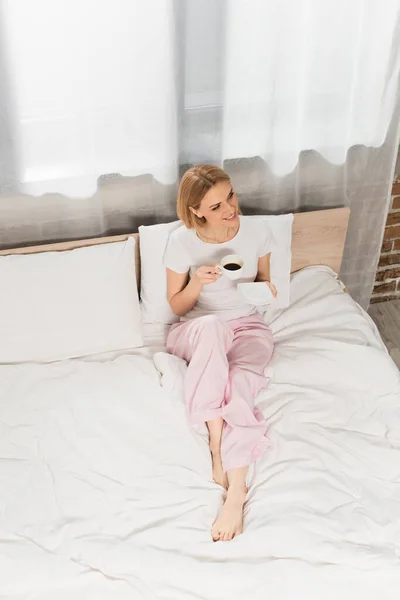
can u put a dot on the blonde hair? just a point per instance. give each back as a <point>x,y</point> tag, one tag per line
<point>193,187</point>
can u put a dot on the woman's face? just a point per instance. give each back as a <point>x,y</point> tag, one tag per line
<point>220,206</point>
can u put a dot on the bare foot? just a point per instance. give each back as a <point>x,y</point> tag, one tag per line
<point>218,474</point>
<point>230,522</point>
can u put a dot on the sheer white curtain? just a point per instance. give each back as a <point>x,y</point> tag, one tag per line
<point>104,102</point>
<point>312,74</point>
<point>93,91</point>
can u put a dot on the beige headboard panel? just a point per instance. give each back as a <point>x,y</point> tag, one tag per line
<point>318,239</point>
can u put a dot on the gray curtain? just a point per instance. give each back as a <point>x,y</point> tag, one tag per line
<point>200,34</point>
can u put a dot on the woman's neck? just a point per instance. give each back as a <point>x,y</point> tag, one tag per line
<point>217,236</point>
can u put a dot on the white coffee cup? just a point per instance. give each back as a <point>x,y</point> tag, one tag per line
<point>232,266</point>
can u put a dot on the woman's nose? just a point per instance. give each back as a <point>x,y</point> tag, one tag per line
<point>226,208</point>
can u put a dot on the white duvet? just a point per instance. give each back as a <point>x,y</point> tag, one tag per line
<point>106,494</point>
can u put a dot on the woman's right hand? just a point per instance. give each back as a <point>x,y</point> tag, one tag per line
<point>207,274</point>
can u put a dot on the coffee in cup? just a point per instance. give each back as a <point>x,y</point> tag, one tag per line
<point>232,266</point>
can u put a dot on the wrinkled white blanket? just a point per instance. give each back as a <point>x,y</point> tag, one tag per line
<point>106,494</point>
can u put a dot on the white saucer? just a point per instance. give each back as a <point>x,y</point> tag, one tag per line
<point>257,293</point>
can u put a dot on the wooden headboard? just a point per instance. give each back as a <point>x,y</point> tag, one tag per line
<point>318,239</point>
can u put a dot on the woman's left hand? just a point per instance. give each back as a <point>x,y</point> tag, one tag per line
<point>273,289</point>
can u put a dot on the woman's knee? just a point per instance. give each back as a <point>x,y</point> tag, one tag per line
<point>244,368</point>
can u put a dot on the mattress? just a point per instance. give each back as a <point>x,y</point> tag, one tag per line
<point>107,494</point>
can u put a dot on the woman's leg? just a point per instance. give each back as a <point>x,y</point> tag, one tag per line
<point>215,430</point>
<point>243,439</point>
<point>204,343</point>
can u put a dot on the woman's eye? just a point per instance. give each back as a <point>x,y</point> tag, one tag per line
<point>230,195</point>
<point>216,207</point>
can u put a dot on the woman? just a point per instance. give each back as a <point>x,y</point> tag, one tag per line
<point>223,339</point>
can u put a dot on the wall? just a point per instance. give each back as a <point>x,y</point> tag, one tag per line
<point>387,282</point>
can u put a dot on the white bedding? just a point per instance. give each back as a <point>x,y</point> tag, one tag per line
<point>106,494</point>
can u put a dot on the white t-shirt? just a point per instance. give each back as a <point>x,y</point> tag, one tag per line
<point>185,252</point>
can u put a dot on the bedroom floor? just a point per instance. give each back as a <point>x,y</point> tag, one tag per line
<point>387,318</point>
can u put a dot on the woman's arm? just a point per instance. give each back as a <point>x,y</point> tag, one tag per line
<point>182,296</point>
<point>264,272</point>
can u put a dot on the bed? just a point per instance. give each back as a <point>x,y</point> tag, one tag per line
<point>106,493</point>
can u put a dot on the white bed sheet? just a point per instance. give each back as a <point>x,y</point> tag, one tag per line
<point>106,493</point>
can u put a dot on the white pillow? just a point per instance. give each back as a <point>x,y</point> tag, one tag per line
<point>153,275</point>
<point>59,305</point>
<point>153,241</point>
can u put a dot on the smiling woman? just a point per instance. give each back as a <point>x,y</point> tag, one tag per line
<point>223,339</point>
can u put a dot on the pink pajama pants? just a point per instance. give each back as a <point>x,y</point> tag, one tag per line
<point>226,362</point>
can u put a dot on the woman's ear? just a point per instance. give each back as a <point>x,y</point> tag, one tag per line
<point>195,212</point>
